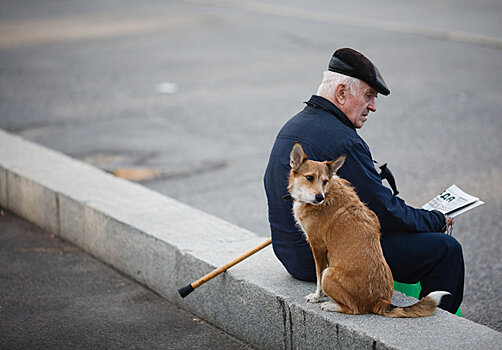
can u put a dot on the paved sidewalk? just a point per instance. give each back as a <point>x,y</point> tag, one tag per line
<point>55,296</point>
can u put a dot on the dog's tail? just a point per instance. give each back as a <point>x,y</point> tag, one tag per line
<point>425,307</point>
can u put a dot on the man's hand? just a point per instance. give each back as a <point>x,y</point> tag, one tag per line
<point>449,225</point>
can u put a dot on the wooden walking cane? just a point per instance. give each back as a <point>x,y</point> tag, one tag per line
<point>191,287</point>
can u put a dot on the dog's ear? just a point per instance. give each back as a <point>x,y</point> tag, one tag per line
<point>297,157</point>
<point>336,164</point>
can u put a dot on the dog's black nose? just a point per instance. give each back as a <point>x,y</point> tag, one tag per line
<point>319,197</point>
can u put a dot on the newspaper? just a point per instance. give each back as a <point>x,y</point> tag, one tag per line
<point>453,202</point>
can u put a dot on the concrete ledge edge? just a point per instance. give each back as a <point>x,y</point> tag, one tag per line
<point>165,245</point>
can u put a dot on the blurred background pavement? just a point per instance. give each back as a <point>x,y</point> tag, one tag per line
<point>186,97</point>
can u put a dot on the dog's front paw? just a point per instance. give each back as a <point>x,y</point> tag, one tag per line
<point>313,297</point>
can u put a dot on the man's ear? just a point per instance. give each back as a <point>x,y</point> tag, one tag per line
<point>336,164</point>
<point>297,156</point>
<point>341,94</point>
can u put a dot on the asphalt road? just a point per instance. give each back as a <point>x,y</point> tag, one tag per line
<point>186,97</point>
<point>55,296</point>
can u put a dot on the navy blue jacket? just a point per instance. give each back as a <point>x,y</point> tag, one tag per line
<point>325,133</point>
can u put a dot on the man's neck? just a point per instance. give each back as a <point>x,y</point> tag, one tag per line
<point>332,100</point>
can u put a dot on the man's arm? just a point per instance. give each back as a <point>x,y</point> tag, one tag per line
<point>394,214</point>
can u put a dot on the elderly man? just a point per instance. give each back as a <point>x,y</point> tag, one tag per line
<point>413,241</point>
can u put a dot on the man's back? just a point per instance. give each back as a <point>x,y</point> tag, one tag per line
<point>322,135</point>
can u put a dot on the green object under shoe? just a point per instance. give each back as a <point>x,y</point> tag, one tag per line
<point>413,290</point>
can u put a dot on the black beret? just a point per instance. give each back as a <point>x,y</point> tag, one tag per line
<point>352,63</point>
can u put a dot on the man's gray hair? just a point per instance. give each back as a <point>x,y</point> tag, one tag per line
<point>331,80</point>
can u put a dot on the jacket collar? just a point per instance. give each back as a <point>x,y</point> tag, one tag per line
<point>322,103</point>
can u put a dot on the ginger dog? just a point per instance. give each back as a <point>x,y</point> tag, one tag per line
<point>345,239</point>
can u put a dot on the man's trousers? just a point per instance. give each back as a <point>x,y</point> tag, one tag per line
<point>433,259</point>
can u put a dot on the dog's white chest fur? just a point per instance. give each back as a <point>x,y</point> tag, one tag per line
<point>296,209</point>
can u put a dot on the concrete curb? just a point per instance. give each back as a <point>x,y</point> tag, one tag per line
<point>165,245</point>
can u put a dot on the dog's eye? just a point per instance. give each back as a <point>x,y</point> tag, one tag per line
<point>325,182</point>
<point>310,178</point>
